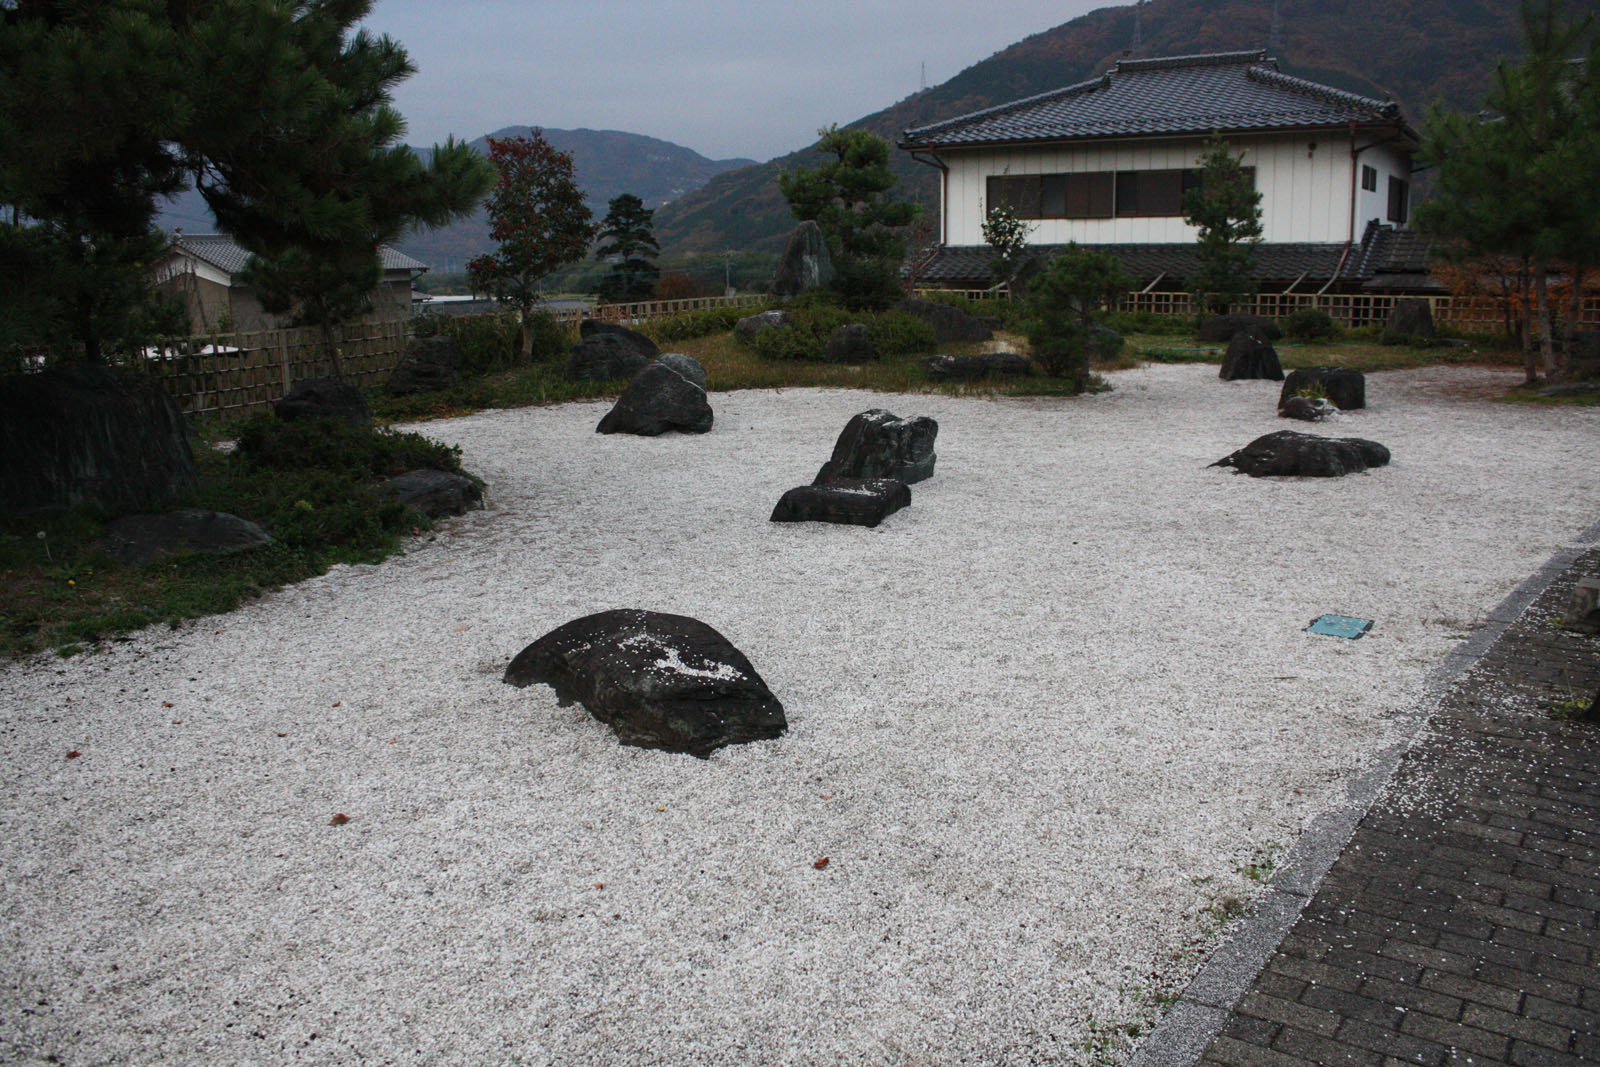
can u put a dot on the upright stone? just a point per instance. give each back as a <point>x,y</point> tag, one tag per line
<point>875,444</point>
<point>1410,321</point>
<point>84,434</point>
<point>806,263</point>
<point>606,351</point>
<point>324,398</point>
<point>1250,355</point>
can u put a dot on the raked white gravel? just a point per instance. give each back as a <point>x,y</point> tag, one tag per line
<point>1039,720</point>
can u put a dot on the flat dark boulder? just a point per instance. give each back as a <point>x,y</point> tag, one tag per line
<point>875,444</point>
<point>324,398</point>
<point>748,328</point>
<point>432,492</point>
<point>1345,389</point>
<point>949,323</point>
<point>658,399</point>
<point>84,434</point>
<point>844,501</point>
<point>606,351</point>
<point>942,368</point>
<point>659,681</point>
<point>1250,356</point>
<point>136,539</point>
<point>1288,453</point>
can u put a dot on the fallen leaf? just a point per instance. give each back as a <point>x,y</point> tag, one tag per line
<point>166,703</point>
<point>336,703</point>
<point>74,754</point>
<point>283,735</point>
<point>599,885</point>
<point>339,819</point>
<point>820,864</point>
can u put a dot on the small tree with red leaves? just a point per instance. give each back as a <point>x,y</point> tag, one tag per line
<point>539,221</point>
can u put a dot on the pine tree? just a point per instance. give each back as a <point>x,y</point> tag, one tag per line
<point>538,221</point>
<point>279,112</point>
<point>1227,210</point>
<point>627,238</point>
<point>849,197</point>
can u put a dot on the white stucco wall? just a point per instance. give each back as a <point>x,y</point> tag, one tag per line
<point>1305,181</point>
<point>1388,162</point>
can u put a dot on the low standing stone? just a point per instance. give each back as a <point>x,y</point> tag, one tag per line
<point>850,344</point>
<point>844,501</point>
<point>1250,356</point>
<point>659,681</point>
<point>606,351</point>
<point>746,329</point>
<point>324,398</point>
<point>1345,389</point>
<point>1411,321</point>
<point>1287,453</point>
<point>658,399</point>
<point>875,444</point>
<point>429,363</point>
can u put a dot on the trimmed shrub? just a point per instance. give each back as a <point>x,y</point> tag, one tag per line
<point>900,333</point>
<point>1309,324</point>
<point>789,342</point>
<point>687,325</point>
<point>489,341</point>
<point>338,447</point>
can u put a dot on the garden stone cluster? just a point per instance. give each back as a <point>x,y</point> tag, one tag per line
<point>869,475</point>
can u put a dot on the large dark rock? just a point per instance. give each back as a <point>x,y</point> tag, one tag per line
<point>687,366</point>
<point>324,398</point>
<point>1410,322</point>
<point>943,368</point>
<point>1220,329</point>
<point>1345,389</point>
<point>607,351</point>
<point>135,539</point>
<point>875,444</point>
<point>1250,356</point>
<point>659,681</point>
<point>805,263</point>
<point>949,323</point>
<point>747,328</point>
<point>432,492</point>
<point>845,501</point>
<point>850,344</point>
<point>1287,453</point>
<point>90,435</point>
<point>658,399</point>
<point>429,363</point>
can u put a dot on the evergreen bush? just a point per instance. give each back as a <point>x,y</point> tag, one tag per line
<point>1310,324</point>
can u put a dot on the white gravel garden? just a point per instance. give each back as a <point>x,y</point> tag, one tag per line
<point>1042,723</point>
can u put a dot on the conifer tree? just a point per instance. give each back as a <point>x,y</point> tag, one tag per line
<point>1226,208</point>
<point>849,198</point>
<point>627,238</point>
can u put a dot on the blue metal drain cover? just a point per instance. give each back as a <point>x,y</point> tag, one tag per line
<point>1340,626</point>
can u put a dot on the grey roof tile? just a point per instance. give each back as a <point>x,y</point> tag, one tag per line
<point>1224,92</point>
<point>223,252</point>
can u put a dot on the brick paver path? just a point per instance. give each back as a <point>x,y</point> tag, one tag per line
<point>1460,923</point>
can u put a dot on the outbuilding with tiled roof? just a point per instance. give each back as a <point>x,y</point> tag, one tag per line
<point>1105,163</point>
<point>201,269</point>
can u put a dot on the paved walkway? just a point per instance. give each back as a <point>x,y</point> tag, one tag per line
<point>1461,921</point>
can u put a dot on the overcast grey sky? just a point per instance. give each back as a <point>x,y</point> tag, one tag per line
<point>726,78</point>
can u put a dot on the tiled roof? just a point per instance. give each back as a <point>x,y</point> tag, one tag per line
<point>1401,255</point>
<point>1223,92</point>
<point>223,252</point>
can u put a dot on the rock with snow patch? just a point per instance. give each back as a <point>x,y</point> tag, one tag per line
<point>658,399</point>
<point>659,681</point>
<point>844,501</point>
<point>432,492</point>
<point>1288,453</point>
<point>875,444</point>
<point>135,539</point>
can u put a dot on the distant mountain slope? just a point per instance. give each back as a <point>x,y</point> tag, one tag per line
<point>1416,51</point>
<point>607,162</point>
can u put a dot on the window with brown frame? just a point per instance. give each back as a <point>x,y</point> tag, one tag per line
<point>1369,178</point>
<point>1054,196</point>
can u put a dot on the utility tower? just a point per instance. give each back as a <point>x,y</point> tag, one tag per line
<point>1138,31</point>
<point>1275,31</point>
